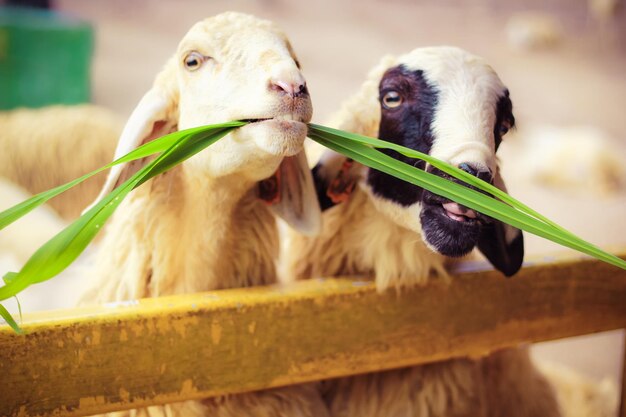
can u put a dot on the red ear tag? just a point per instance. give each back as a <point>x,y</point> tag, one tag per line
<point>342,186</point>
<point>269,189</point>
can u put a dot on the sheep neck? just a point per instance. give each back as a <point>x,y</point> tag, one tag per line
<point>357,239</point>
<point>182,233</point>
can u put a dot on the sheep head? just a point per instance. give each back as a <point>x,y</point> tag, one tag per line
<point>450,104</point>
<point>248,70</point>
<point>234,67</point>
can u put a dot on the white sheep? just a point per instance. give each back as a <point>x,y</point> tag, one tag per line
<point>46,147</point>
<point>594,162</point>
<point>202,225</point>
<point>450,104</point>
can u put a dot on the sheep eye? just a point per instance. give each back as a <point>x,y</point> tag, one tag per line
<point>504,128</point>
<point>391,99</point>
<point>193,61</point>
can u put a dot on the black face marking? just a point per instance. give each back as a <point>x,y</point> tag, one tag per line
<point>408,124</point>
<point>408,104</point>
<point>504,118</point>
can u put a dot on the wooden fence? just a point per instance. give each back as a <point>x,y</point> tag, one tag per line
<point>154,351</point>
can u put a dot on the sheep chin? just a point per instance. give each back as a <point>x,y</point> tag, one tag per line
<point>278,137</point>
<point>446,235</point>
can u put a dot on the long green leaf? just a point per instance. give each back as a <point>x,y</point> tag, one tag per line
<point>455,192</point>
<point>4,313</point>
<point>158,145</point>
<point>328,132</point>
<point>60,251</point>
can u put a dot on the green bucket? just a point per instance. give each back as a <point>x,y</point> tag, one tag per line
<point>45,58</point>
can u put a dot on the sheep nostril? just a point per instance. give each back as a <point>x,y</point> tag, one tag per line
<point>468,168</point>
<point>293,89</point>
<point>480,172</point>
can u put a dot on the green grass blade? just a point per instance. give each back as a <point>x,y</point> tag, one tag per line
<point>4,313</point>
<point>470,198</point>
<point>158,145</point>
<point>433,183</point>
<point>458,173</point>
<point>447,168</point>
<point>60,251</point>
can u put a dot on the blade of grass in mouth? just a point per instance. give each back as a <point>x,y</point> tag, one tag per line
<point>60,251</point>
<point>513,212</point>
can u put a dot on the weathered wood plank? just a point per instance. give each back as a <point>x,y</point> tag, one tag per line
<point>154,351</point>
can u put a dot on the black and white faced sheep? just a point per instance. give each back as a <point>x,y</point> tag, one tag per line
<point>440,101</point>
<point>205,224</point>
<point>416,109</point>
<point>450,104</point>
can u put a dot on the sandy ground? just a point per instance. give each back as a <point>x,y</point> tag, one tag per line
<point>581,81</point>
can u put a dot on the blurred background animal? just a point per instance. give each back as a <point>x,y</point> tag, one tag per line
<point>52,145</point>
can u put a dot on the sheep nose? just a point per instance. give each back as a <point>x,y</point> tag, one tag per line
<point>477,170</point>
<point>292,88</point>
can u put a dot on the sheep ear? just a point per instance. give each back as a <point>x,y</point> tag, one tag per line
<point>148,121</point>
<point>502,244</point>
<point>335,177</point>
<point>291,195</point>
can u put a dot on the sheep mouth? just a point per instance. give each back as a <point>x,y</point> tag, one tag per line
<point>282,118</point>
<point>459,213</point>
<point>448,227</point>
<point>451,212</point>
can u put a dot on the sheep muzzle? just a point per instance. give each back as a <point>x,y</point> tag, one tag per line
<point>448,227</point>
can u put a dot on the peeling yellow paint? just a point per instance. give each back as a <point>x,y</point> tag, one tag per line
<point>77,337</point>
<point>216,333</point>
<point>87,402</point>
<point>150,326</point>
<point>162,324</point>
<point>136,328</point>
<point>181,326</point>
<point>95,337</point>
<point>252,327</point>
<point>124,395</point>
<point>188,388</point>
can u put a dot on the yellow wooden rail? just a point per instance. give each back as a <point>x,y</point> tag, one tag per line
<point>154,351</point>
